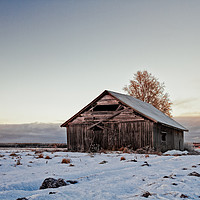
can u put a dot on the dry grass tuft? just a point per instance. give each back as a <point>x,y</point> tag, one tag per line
<point>122,158</point>
<point>103,151</point>
<point>121,149</point>
<point>66,161</point>
<point>38,151</point>
<point>177,155</point>
<point>47,157</point>
<point>41,156</point>
<point>13,154</point>
<point>126,150</point>
<point>18,162</point>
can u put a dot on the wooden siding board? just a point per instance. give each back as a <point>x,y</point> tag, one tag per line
<point>172,138</point>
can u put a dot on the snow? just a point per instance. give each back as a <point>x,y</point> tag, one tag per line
<point>175,152</point>
<point>165,177</point>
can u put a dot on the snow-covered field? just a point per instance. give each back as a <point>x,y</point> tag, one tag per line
<point>164,177</point>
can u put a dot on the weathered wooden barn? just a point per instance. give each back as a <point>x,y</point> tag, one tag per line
<point>114,120</point>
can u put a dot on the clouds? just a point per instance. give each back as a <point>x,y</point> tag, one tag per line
<point>184,102</point>
<point>193,124</point>
<point>187,107</point>
<point>52,133</point>
<point>32,133</point>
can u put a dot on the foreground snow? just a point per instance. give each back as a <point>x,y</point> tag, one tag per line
<point>164,177</point>
<point>176,152</point>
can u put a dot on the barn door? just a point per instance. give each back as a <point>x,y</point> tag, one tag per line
<point>97,138</point>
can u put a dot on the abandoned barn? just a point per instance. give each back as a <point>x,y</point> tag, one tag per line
<point>114,120</point>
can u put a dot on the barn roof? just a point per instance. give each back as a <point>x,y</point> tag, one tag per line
<point>143,108</point>
<point>147,110</point>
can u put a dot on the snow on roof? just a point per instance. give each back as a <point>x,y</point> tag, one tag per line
<point>147,110</point>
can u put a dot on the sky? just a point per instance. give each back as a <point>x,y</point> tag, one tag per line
<point>57,56</point>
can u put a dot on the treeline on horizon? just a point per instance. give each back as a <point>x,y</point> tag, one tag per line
<point>34,145</point>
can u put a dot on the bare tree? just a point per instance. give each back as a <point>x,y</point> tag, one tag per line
<point>147,88</point>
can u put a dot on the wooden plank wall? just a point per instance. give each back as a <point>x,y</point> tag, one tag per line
<point>174,138</point>
<point>114,135</point>
<point>178,140</point>
<point>125,128</point>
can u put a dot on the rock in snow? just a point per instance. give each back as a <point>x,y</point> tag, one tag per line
<point>146,194</point>
<point>194,174</point>
<point>53,183</point>
<point>72,182</point>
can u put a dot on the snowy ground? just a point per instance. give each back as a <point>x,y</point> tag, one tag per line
<point>164,177</point>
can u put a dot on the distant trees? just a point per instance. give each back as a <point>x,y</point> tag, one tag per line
<point>147,88</point>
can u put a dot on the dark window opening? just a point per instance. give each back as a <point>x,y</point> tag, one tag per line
<point>97,128</point>
<point>163,136</point>
<point>106,107</point>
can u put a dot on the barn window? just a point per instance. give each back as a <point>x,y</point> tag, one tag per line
<point>97,128</point>
<point>163,136</point>
<point>112,107</point>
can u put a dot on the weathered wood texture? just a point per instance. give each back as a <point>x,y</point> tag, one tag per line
<point>105,108</point>
<point>114,135</point>
<point>109,124</point>
<point>174,138</point>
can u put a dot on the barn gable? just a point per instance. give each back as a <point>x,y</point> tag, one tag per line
<point>105,107</point>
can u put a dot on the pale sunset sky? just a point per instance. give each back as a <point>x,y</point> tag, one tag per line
<point>57,56</point>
